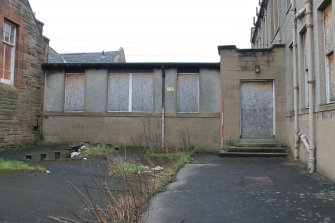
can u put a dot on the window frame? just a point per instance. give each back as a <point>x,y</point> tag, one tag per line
<point>11,43</point>
<point>198,95</point>
<point>328,51</point>
<point>327,70</point>
<point>65,91</point>
<point>130,91</point>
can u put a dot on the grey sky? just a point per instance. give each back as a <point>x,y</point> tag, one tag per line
<point>149,30</point>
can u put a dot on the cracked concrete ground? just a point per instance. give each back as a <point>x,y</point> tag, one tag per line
<point>32,197</point>
<point>242,190</point>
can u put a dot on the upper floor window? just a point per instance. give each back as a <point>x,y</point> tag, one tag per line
<point>275,15</point>
<point>304,67</point>
<point>8,53</point>
<point>188,92</point>
<point>329,53</point>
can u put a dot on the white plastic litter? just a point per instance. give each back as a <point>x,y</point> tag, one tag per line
<point>75,154</point>
<point>158,168</point>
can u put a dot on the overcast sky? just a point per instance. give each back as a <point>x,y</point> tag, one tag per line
<point>148,30</point>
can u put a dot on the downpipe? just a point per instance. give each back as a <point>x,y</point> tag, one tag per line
<point>309,26</point>
<point>299,137</point>
<point>295,80</point>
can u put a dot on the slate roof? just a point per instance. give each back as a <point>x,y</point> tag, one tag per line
<point>96,57</point>
<point>54,57</point>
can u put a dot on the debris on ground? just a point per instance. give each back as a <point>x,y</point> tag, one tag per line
<point>76,150</point>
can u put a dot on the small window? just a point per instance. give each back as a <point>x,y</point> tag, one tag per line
<point>130,92</point>
<point>330,78</point>
<point>188,93</point>
<point>75,92</point>
<point>8,53</point>
<point>275,16</point>
<point>329,53</point>
<point>305,68</point>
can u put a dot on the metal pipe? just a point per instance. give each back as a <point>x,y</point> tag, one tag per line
<point>295,82</point>
<point>301,13</point>
<point>302,138</point>
<point>309,26</point>
<point>163,109</point>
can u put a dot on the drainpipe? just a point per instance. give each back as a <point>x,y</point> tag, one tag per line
<point>309,26</point>
<point>163,108</point>
<point>295,82</point>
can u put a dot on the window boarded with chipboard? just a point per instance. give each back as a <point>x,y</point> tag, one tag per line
<point>142,93</point>
<point>75,92</point>
<point>130,92</point>
<point>329,50</point>
<point>118,92</point>
<point>188,93</point>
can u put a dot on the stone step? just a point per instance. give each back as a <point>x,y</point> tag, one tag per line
<point>225,153</point>
<point>256,149</point>
<point>258,143</point>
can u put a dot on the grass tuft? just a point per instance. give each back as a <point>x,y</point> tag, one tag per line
<point>6,165</point>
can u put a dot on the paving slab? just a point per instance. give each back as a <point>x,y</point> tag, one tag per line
<point>242,190</point>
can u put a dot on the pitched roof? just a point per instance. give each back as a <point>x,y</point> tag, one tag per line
<point>96,57</point>
<point>54,57</point>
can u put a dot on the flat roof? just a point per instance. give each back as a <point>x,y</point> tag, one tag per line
<point>166,65</point>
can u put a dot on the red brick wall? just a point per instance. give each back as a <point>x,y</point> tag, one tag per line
<point>21,103</point>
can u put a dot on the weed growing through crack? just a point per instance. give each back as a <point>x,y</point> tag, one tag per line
<point>138,184</point>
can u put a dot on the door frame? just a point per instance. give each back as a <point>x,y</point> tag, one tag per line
<point>273,103</point>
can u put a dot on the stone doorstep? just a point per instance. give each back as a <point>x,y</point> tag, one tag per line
<point>225,153</point>
<point>255,148</point>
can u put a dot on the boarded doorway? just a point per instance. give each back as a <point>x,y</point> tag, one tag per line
<point>257,110</point>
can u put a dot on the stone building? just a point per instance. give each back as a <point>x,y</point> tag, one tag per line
<point>293,48</point>
<point>23,51</point>
<point>133,104</point>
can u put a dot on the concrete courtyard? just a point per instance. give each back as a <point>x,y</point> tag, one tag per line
<point>242,190</point>
<point>210,189</point>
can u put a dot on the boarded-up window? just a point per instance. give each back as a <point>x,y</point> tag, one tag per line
<point>74,92</point>
<point>275,15</point>
<point>188,93</point>
<point>328,29</point>
<point>130,92</point>
<point>142,94</point>
<point>330,77</point>
<point>118,92</point>
<point>329,51</point>
<point>305,67</point>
